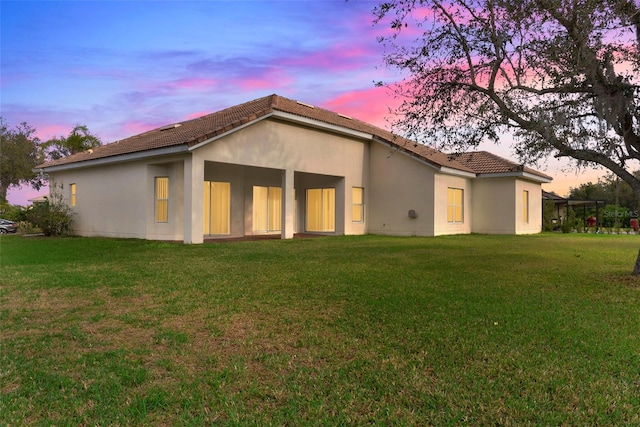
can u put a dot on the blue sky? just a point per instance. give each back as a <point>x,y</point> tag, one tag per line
<point>124,67</point>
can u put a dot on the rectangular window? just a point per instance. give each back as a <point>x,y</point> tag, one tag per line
<point>321,209</point>
<point>455,205</point>
<point>357,201</point>
<point>525,206</point>
<point>72,195</point>
<point>267,209</point>
<point>217,207</point>
<point>162,199</point>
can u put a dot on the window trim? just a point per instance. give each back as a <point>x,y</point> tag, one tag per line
<point>161,203</point>
<point>452,207</point>
<point>359,206</point>
<point>73,194</point>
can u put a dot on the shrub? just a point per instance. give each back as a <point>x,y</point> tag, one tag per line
<point>570,223</point>
<point>53,217</point>
<point>548,215</point>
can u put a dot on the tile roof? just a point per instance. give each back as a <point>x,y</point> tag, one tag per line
<point>483,162</point>
<point>191,132</point>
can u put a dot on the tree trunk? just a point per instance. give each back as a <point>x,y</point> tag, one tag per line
<point>3,193</point>
<point>636,268</point>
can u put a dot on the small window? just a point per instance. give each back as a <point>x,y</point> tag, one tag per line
<point>525,206</point>
<point>357,201</point>
<point>455,205</point>
<point>72,195</point>
<point>162,199</point>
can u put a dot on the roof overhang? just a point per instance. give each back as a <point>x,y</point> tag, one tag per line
<point>130,157</point>
<point>452,171</point>
<point>293,118</point>
<point>520,174</point>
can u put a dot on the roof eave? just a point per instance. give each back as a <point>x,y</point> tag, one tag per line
<point>120,158</point>
<point>519,174</point>
<point>294,118</point>
<point>321,125</point>
<point>457,172</point>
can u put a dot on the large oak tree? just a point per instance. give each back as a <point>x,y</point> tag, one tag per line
<point>560,76</point>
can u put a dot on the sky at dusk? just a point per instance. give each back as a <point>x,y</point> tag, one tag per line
<point>125,67</point>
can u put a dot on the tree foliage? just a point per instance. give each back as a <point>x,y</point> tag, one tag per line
<point>561,76</point>
<point>20,152</point>
<point>611,190</point>
<point>80,139</point>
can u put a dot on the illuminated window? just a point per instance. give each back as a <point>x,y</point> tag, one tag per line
<point>217,207</point>
<point>72,190</point>
<point>525,206</point>
<point>267,209</point>
<point>321,209</point>
<point>455,205</point>
<point>162,199</point>
<point>357,201</point>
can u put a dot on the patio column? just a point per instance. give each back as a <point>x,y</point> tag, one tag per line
<point>289,199</point>
<point>193,182</point>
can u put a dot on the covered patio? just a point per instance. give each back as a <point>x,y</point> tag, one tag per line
<point>562,204</point>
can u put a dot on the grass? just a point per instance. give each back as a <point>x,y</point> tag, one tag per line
<point>475,329</point>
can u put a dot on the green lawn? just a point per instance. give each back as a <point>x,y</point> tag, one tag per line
<point>475,329</point>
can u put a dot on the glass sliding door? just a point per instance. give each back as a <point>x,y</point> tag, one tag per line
<point>217,207</point>
<point>267,209</point>
<point>321,209</point>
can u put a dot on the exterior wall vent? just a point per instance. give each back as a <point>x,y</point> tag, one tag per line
<point>169,127</point>
<point>305,104</point>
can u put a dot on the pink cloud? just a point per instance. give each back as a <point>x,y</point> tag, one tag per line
<point>369,105</point>
<point>339,57</point>
<point>271,80</point>
<point>49,131</point>
<point>196,115</point>
<point>135,127</point>
<point>192,83</point>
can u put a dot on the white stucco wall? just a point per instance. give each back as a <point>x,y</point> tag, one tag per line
<point>535,207</point>
<point>498,204</point>
<point>398,184</point>
<point>442,183</point>
<point>118,200</point>
<point>271,147</point>
<point>494,205</point>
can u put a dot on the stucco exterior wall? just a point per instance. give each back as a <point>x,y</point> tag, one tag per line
<point>534,225</point>
<point>118,200</point>
<point>398,184</point>
<point>442,226</point>
<point>498,206</point>
<point>493,203</point>
<point>277,146</point>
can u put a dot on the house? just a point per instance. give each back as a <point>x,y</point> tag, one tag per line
<point>278,166</point>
